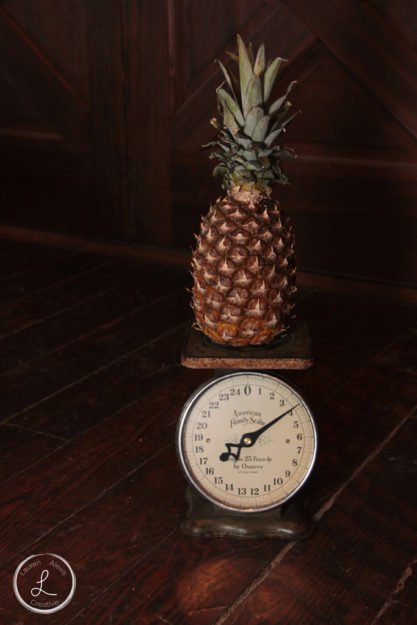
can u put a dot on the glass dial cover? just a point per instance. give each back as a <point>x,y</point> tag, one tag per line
<point>246,441</point>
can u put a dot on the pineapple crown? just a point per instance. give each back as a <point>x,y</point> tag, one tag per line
<point>250,154</point>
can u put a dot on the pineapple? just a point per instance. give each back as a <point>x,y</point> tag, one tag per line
<point>243,264</point>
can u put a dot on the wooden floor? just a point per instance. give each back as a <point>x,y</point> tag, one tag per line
<point>91,392</point>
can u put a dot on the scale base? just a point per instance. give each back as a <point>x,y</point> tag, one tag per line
<point>206,520</point>
<point>290,351</point>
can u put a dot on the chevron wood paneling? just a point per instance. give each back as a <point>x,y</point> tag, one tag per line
<point>62,124</point>
<point>371,49</point>
<point>105,107</point>
<point>354,184</point>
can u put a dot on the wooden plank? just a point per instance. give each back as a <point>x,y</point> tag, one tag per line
<point>66,46</point>
<point>33,503</point>
<point>38,277</point>
<point>195,46</point>
<point>211,575</point>
<point>88,315</point>
<point>89,549</point>
<point>175,256</point>
<point>182,581</point>
<point>148,111</point>
<point>45,376</point>
<point>16,256</point>
<point>357,288</point>
<point>108,128</point>
<point>357,555</point>
<point>181,257</point>
<point>366,407</point>
<point>211,563</point>
<point>57,105</point>
<point>131,529</point>
<point>369,48</point>
<point>60,296</point>
<point>92,400</point>
<point>401,605</point>
<point>365,329</point>
<point>398,613</point>
<point>134,446</point>
<point>35,445</point>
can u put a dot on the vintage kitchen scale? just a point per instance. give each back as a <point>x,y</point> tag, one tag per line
<point>246,439</point>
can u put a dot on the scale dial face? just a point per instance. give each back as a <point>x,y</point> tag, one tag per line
<point>246,441</point>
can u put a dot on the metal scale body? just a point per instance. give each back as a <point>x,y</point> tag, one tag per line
<point>246,440</point>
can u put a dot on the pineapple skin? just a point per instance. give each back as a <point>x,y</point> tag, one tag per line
<point>244,270</point>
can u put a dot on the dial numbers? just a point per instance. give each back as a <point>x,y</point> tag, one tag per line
<point>247,441</point>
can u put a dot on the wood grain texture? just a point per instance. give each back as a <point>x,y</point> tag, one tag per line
<point>89,468</point>
<point>16,258</point>
<point>68,51</point>
<point>358,36</point>
<point>124,442</point>
<point>200,105</point>
<point>62,110</point>
<point>54,299</point>
<point>110,150</point>
<point>32,445</point>
<point>46,375</point>
<point>89,401</point>
<point>37,275</point>
<point>367,541</point>
<point>107,74</point>
<point>148,120</point>
<point>59,329</point>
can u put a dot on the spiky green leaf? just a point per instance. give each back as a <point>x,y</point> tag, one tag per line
<point>253,94</point>
<point>281,113</point>
<point>230,121</point>
<point>287,121</point>
<point>249,155</point>
<point>245,143</point>
<point>268,174</point>
<point>233,56</point>
<point>261,129</point>
<point>259,66</point>
<point>253,165</point>
<point>286,152</point>
<point>272,136</point>
<point>252,119</point>
<point>275,106</point>
<point>245,67</point>
<point>250,52</point>
<point>219,170</point>
<point>265,153</point>
<point>228,78</point>
<point>228,102</point>
<point>271,73</point>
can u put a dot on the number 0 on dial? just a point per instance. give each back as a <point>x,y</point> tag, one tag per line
<point>246,441</point>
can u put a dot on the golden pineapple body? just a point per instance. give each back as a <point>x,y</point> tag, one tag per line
<point>244,270</point>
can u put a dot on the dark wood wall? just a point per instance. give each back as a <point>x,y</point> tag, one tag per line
<point>105,104</point>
